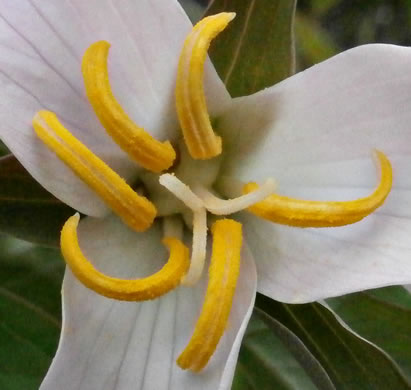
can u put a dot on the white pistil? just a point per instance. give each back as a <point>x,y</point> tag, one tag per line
<point>220,206</point>
<point>199,202</point>
<point>181,191</point>
<point>193,202</point>
<point>198,253</point>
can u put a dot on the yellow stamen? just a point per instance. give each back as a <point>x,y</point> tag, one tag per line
<point>147,288</point>
<point>198,133</point>
<point>223,275</point>
<point>142,147</point>
<point>306,213</point>
<point>135,210</point>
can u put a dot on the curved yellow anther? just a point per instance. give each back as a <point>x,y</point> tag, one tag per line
<point>142,147</point>
<point>135,210</point>
<point>223,275</point>
<point>306,213</point>
<point>122,289</point>
<point>192,112</point>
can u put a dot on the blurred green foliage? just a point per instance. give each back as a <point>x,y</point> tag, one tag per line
<point>325,27</point>
<point>30,312</point>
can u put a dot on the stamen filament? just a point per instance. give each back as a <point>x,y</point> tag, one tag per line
<point>220,206</point>
<point>223,275</point>
<point>306,213</point>
<point>198,253</point>
<point>142,147</point>
<point>147,288</point>
<point>135,210</point>
<point>192,111</point>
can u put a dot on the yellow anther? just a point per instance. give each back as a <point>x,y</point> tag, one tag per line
<point>306,213</point>
<point>163,281</point>
<point>135,210</point>
<point>198,133</point>
<point>142,147</point>
<point>223,275</point>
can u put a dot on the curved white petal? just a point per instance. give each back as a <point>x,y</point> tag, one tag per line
<point>314,134</point>
<point>300,265</point>
<point>335,112</point>
<point>297,265</point>
<point>123,345</point>
<point>41,46</point>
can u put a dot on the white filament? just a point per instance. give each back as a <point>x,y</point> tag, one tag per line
<point>192,201</point>
<point>198,252</point>
<point>181,191</point>
<point>225,207</point>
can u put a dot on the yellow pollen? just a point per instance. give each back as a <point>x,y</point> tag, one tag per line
<point>307,213</point>
<point>223,275</point>
<point>192,111</point>
<point>142,147</point>
<point>144,289</point>
<point>135,210</point>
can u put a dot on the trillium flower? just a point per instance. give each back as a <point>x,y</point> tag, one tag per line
<point>143,116</point>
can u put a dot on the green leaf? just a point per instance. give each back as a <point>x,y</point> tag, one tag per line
<point>311,365</point>
<point>265,363</point>
<point>30,284</point>
<point>3,149</point>
<point>383,317</point>
<point>351,362</point>
<point>320,7</point>
<point>396,295</point>
<point>313,42</point>
<point>193,9</point>
<point>27,210</point>
<point>257,49</point>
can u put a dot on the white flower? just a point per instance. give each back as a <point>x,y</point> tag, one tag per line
<point>313,133</point>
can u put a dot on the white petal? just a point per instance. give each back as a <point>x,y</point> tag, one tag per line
<point>41,46</point>
<point>332,113</point>
<point>314,134</point>
<point>299,265</point>
<point>123,345</point>
<point>302,265</point>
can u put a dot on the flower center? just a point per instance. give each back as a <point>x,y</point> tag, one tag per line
<point>185,192</point>
<point>188,192</point>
